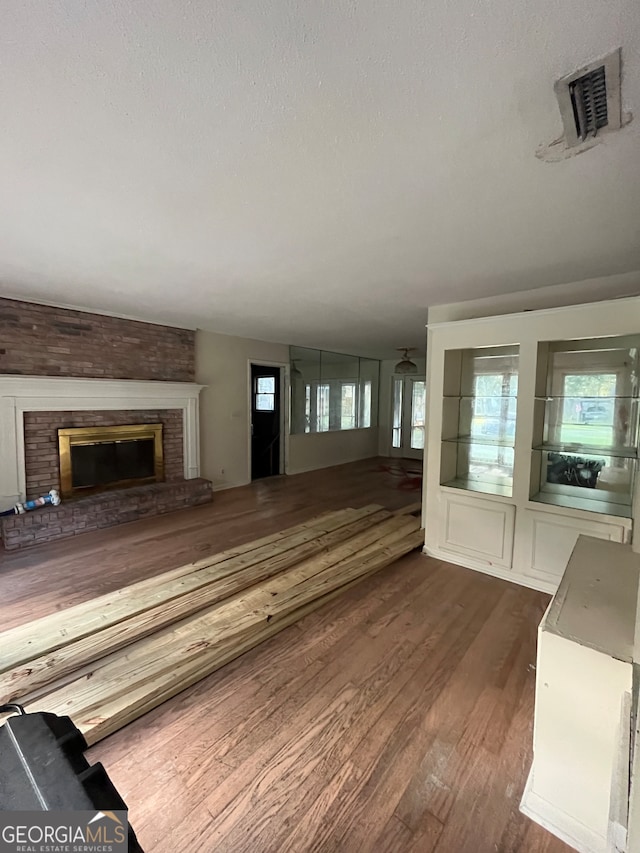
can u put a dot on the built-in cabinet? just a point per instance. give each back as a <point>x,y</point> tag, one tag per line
<point>578,785</point>
<point>532,437</point>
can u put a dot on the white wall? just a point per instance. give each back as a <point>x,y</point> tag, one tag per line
<point>384,417</point>
<point>221,364</point>
<point>322,449</point>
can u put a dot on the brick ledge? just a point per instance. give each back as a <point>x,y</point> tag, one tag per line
<point>100,511</point>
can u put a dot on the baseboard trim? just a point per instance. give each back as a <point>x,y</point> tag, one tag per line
<point>559,823</point>
<point>503,574</point>
<point>222,487</point>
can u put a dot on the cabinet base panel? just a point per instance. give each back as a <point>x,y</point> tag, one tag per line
<point>559,823</point>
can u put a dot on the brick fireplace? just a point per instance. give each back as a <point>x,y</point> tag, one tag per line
<point>67,369</point>
<point>32,409</point>
<point>41,442</point>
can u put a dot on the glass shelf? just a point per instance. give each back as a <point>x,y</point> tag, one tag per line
<point>480,396</point>
<point>469,484</point>
<point>481,441</point>
<point>550,397</point>
<point>596,482</point>
<point>603,507</point>
<point>590,450</point>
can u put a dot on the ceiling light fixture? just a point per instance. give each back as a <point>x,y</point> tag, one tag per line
<point>405,365</point>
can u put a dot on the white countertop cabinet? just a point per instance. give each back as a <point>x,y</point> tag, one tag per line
<point>578,786</point>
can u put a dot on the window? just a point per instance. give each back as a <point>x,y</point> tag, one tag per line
<point>365,404</point>
<point>265,393</point>
<point>330,391</point>
<point>396,437</point>
<point>348,406</point>
<point>588,408</point>
<point>584,450</point>
<point>307,408</point>
<point>322,408</point>
<point>479,419</point>
<point>417,415</point>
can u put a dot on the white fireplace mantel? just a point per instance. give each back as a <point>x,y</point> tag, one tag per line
<point>20,394</point>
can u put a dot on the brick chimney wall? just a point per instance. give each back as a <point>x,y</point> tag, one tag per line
<point>38,340</point>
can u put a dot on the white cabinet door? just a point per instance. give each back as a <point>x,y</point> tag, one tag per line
<point>547,540</point>
<point>477,528</point>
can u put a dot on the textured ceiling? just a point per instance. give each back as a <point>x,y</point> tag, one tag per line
<point>309,172</point>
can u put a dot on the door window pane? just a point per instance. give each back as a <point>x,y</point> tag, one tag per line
<point>266,385</point>
<point>265,402</point>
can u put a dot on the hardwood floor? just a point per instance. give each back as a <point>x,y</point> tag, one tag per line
<point>396,719</point>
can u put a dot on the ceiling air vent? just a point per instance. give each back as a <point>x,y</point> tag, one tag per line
<point>589,99</point>
<point>589,102</point>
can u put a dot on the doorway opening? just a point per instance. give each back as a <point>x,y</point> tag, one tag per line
<point>408,400</point>
<point>266,421</point>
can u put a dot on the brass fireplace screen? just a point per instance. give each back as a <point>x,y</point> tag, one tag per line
<point>93,459</point>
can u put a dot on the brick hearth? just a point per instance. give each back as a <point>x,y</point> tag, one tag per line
<point>99,511</point>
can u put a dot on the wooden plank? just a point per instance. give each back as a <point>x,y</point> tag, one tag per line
<point>34,675</point>
<point>202,634</point>
<point>34,639</point>
<point>127,707</point>
<point>105,707</point>
<point>409,509</point>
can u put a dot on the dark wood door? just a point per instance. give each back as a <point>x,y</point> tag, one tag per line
<point>265,421</point>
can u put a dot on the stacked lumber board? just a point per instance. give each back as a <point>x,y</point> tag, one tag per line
<point>107,661</point>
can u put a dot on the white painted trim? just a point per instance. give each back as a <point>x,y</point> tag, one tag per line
<point>625,302</point>
<point>559,823</point>
<point>621,781</point>
<point>502,574</point>
<point>20,394</point>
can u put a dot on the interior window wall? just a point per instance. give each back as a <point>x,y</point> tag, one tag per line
<point>331,391</point>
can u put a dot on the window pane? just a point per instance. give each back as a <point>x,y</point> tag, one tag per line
<point>396,438</point>
<point>265,402</point>
<point>365,404</point>
<point>322,410</point>
<point>588,409</point>
<point>307,408</point>
<point>266,385</point>
<point>494,410</point>
<point>348,407</point>
<point>417,415</point>
<point>317,400</point>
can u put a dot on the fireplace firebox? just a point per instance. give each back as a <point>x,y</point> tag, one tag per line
<point>94,459</point>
